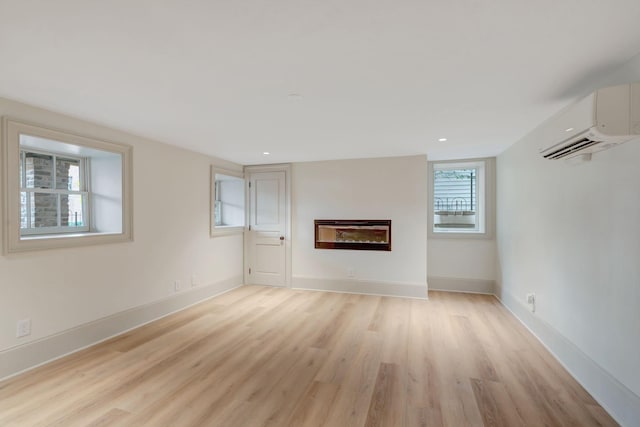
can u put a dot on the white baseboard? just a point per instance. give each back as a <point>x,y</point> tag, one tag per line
<point>454,284</point>
<point>357,286</point>
<point>620,402</point>
<point>24,357</point>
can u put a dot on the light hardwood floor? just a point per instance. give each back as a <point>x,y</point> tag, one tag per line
<point>261,356</point>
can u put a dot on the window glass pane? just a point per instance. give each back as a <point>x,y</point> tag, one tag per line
<point>23,209</point>
<point>67,174</point>
<point>71,210</point>
<point>217,213</point>
<point>44,210</point>
<point>38,170</point>
<point>22,182</point>
<point>454,198</point>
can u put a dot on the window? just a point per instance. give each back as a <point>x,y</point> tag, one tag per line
<point>460,198</point>
<point>228,201</point>
<point>53,195</point>
<point>63,190</point>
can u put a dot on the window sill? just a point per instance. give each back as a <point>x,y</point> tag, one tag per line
<point>459,234</point>
<point>226,230</point>
<point>63,236</point>
<point>58,241</point>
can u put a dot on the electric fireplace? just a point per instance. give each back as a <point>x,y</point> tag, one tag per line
<point>368,235</point>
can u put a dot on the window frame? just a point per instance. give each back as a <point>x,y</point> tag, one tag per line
<point>84,191</point>
<point>485,198</point>
<point>225,230</point>
<point>13,240</point>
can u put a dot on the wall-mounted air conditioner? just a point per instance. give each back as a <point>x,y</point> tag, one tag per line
<point>605,118</point>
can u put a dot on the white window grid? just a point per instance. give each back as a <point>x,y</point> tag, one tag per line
<point>479,167</point>
<point>83,190</point>
<point>217,210</point>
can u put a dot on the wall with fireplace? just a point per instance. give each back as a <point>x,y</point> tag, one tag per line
<point>363,189</point>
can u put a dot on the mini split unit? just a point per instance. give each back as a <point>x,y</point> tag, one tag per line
<point>603,119</point>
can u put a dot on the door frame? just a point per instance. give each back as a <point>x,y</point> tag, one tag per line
<point>248,171</point>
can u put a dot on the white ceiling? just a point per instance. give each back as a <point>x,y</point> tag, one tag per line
<point>376,77</point>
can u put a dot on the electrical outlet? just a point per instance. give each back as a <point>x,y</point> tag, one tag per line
<point>176,285</point>
<point>351,272</point>
<point>531,300</point>
<point>194,281</point>
<point>23,328</point>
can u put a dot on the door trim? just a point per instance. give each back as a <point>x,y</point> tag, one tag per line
<point>286,168</point>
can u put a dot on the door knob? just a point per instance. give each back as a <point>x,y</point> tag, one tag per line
<point>281,237</point>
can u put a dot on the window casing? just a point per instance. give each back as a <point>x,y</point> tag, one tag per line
<point>461,198</point>
<point>63,190</point>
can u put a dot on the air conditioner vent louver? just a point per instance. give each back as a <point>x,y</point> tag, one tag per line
<point>575,146</point>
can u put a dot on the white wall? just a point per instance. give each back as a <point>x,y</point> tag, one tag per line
<point>571,234</point>
<point>66,288</point>
<point>462,264</point>
<point>388,188</point>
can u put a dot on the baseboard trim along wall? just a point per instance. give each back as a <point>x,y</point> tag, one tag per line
<point>357,286</point>
<point>455,284</point>
<point>18,359</point>
<point>621,403</point>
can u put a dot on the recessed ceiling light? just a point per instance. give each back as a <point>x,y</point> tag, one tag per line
<point>442,139</point>
<point>568,129</point>
<point>266,153</point>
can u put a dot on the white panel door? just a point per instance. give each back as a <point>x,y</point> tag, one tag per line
<point>267,232</point>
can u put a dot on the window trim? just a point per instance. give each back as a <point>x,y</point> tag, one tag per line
<point>485,201</point>
<point>13,240</point>
<point>224,230</point>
